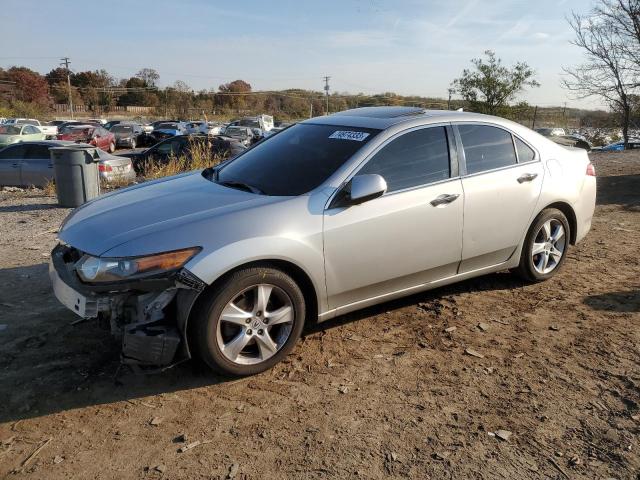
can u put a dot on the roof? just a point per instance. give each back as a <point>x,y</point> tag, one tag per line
<point>383,112</point>
<point>384,117</point>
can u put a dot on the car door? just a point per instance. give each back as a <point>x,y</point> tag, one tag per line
<point>10,160</point>
<point>502,180</point>
<point>409,236</point>
<point>36,167</point>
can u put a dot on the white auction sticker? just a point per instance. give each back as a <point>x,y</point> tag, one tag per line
<point>349,135</point>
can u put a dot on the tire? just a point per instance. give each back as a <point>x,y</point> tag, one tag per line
<point>112,147</point>
<point>253,335</point>
<point>550,241</point>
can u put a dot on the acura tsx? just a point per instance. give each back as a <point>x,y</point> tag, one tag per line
<point>327,216</point>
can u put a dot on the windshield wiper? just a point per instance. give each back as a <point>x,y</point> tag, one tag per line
<point>241,186</point>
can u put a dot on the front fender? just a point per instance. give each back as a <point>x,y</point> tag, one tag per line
<point>304,253</point>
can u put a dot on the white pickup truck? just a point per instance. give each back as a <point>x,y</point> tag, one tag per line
<point>49,130</point>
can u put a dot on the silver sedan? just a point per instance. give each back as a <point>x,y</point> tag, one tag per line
<point>325,217</point>
<point>29,164</point>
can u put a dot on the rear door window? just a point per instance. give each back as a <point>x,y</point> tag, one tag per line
<point>486,148</point>
<point>416,158</point>
<point>37,152</point>
<point>13,152</point>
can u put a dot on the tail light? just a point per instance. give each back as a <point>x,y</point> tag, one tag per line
<point>104,168</point>
<point>591,170</point>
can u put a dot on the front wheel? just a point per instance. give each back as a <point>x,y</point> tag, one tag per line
<point>251,321</point>
<point>545,246</point>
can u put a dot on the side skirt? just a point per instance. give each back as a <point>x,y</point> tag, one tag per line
<point>417,288</point>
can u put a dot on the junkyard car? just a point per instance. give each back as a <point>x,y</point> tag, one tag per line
<point>180,146</point>
<point>164,130</point>
<point>243,135</point>
<point>128,135</point>
<point>29,164</point>
<point>328,216</point>
<point>91,134</point>
<point>633,143</point>
<point>203,128</point>
<point>10,133</point>
<point>50,131</point>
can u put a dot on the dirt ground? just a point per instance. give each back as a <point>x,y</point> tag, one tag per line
<point>385,393</point>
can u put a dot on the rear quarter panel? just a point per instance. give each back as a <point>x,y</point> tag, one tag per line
<point>566,181</point>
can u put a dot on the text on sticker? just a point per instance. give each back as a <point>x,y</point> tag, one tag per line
<point>349,135</point>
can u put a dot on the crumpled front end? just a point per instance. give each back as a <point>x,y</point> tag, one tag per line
<point>142,312</point>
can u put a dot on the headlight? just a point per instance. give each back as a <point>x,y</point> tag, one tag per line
<point>96,269</point>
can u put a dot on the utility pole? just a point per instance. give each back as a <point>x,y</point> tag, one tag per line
<point>65,62</point>
<point>535,114</point>
<point>311,108</point>
<point>326,91</point>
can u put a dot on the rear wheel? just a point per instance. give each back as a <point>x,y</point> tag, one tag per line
<point>545,246</point>
<point>251,322</point>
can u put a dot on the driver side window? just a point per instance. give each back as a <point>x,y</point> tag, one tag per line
<point>416,158</point>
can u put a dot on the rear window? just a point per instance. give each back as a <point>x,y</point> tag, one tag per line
<point>296,160</point>
<point>486,147</point>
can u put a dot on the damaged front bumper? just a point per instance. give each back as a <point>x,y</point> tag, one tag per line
<point>149,315</point>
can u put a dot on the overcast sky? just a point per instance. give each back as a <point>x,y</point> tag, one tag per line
<point>369,46</point>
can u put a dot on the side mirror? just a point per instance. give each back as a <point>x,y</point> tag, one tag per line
<point>366,187</point>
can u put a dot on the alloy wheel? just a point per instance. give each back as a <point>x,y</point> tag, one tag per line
<point>255,324</point>
<point>548,246</point>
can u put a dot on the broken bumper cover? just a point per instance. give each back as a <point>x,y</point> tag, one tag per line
<point>143,312</point>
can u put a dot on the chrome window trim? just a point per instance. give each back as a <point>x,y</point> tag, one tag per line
<point>453,157</point>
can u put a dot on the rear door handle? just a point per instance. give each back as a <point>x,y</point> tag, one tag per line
<point>444,199</point>
<point>527,177</point>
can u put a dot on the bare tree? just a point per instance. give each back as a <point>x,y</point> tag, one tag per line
<point>610,38</point>
<point>624,16</point>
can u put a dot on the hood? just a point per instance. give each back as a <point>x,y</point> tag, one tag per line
<point>151,208</point>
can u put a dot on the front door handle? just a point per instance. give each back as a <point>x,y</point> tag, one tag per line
<point>527,177</point>
<point>444,199</point>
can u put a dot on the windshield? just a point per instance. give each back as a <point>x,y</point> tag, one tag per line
<point>78,131</point>
<point>9,130</point>
<point>295,160</point>
<point>122,129</point>
<point>167,126</point>
<point>236,132</point>
<point>249,122</point>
